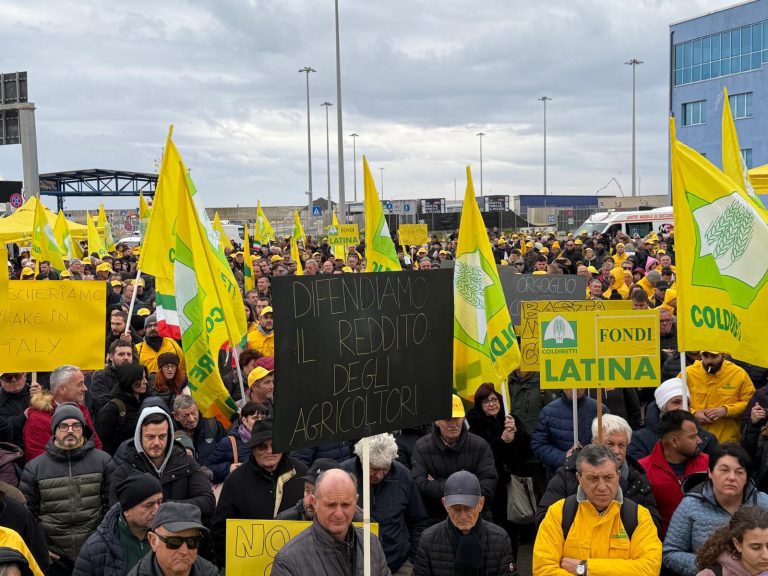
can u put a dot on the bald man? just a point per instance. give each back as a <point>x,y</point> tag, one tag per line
<point>334,501</point>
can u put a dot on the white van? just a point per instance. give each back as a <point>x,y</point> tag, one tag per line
<point>234,231</point>
<point>642,222</point>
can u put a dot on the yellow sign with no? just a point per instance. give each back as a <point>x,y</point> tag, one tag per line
<point>253,544</point>
<point>53,322</point>
<point>602,349</point>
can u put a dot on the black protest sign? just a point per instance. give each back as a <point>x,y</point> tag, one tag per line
<point>361,354</point>
<point>525,287</point>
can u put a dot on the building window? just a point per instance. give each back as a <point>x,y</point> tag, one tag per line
<point>741,105</point>
<point>739,50</point>
<point>746,155</point>
<point>695,113</point>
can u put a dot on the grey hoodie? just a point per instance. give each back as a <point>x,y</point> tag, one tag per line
<point>137,436</point>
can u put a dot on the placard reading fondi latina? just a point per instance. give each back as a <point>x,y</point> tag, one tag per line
<point>600,349</point>
<point>360,354</point>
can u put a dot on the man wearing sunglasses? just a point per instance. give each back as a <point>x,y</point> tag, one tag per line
<point>67,487</point>
<point>175,538</point>
<point>14,401</point>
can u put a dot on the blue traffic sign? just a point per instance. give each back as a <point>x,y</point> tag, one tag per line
<point>388,205</point>
<point>406,207</point>
<point>317,211</point>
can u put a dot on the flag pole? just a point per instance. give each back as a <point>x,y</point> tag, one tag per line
<point>575,420</point>
<point>366,507</point>
<point>684,380</point>
<point>133,300</point>
<point>239,373</point>
<point>600,415</point>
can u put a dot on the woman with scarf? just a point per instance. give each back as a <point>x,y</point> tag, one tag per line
<point>510,444</point>
<point>117,419</point>
<point>230,451</point>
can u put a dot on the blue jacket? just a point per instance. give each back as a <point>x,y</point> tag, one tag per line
<point>102,553</point>
<point>696,519</point>
<point>222,457</point>
<point>339,451</point>
<point>553,436</point>
<point>396,505</point>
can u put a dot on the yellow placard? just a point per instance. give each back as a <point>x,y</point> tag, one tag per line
<point>599,349</point>
<point>413,234</point>
<point>529,322</point>
<point>343,235</point>
<point>253,544</point>
<point>53,322</point>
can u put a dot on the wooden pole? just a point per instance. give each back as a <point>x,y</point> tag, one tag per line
<point>600,415</point>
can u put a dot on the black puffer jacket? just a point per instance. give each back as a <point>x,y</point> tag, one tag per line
<point>68,492</point>
<point>12,408</point>
<point>564,483</point>
<point>437,550</point>
<point>116,422</point>
<point>431,457</point>
<point>102,553</point>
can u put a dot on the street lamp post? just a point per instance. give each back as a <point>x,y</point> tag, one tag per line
<point>354,160</point>
<point>340,130</point>
<point>306,70</point>
<point>328,159</point>
<point>481,134</point>
<point>381,171</point>
<point>634,63</point>
<point>545,99</point>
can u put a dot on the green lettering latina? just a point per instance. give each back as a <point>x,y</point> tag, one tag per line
<point>591,370</point>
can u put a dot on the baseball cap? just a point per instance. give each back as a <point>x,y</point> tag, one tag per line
<point>462,488</point>
<point>276,258</point>
<point>257,374</point>
<point>457,407</point>
<point>266,310</point>
<point>178,516</point>
<point>318,466</point>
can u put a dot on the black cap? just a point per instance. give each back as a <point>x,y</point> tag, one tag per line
<point>661,285</point>
<point>260,433</point>
<point>136,488</point>
<point>318,466</point>
<point>178,516</point>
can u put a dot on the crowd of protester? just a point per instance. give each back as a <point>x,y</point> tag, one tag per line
<point>116,472</point>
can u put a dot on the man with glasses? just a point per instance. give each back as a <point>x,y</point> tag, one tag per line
<point>573,253</point>
<point>14,401</point>
<point>121,540</point>
<point>175,539</point>
<point>519,266</point>
<point>67,487</point>
<point>153,345</point>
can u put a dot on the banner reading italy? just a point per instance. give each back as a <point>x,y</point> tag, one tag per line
<point>720,237</point>
<point>380,253</point>
<point>484,344</point>
<point>209,304</point>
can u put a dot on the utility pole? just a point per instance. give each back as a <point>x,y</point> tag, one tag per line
<point>340,130</point>
<point>544,99</point>
<point>634,63</point>
<point>307,70</point>
<point>328,160</point>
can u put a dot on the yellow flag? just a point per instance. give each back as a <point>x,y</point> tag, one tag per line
<point>160,240</point>
<point>338,251</point>
<point>144,213</point>
<point>720,237</point>
<point>104,223</point>
<point>223,239</point>
<point>209,302</point>
<point>250,278</point>
<point>380,252</point>
<point>44,246</point>
<point>69,248</point>
<point>95,241</point>
<point>484,344</point>
<point>734,165</point>
<point>3,277</point>
<point>298,229</point>
<point>263,227</point>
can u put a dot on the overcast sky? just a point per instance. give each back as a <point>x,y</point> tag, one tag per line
<point>420,79</point>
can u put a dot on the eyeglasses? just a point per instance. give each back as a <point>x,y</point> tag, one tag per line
<point>64,427</point>
<point>175,542</point>
<point>11,376</point>
<point>490,400</point>
<point>151,325</point>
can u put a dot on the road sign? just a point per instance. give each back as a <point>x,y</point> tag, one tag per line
<point>317,211</point>
<point>406,207</point>
<point>128,225</point>
<point>388,205</point>
<point>16,200</point>
<point>552,219</point>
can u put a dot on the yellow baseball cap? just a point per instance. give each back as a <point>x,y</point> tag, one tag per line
<point>539,272</point>
<point>104,267</point>
<point>578,241</point>
<point>592,270</point>
<point>141,282</point>
<point>86,260</point>
<point>266,310</point>
<point>27,272</point>
<point>114,282</point>
<point>276,258</point>
<point>65,274</point>
<point>347,269</point>
<point>257,374</point>
<point>457,407</point>
<point>142,312</point>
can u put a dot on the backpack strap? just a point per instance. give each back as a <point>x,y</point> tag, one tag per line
<point>121,409</point>
<point>628,515</point>
<point>234,449</point>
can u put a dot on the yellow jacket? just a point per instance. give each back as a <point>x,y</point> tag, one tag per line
<point>148,357</point>
<point>619,259</point>
<point>600,540</point>
<point>11,539</point>
<point>647,286</point>
<point>263,343</point>
<point>730,386</point>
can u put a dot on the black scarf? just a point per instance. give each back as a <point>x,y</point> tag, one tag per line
<point>470,559</point>
<point>154,342</point>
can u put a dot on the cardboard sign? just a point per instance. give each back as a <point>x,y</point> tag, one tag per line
<point>253,544</point>
<point>600,349</point>
<point>53,322</point>
<point>525,287</point>
<point>413,234</point>
<point>343,235</point>
<point>529,327</point>
<point>360,354</point>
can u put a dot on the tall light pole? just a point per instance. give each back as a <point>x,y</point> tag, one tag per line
<point>340,130</point>
<point>481,134</point>
<point>634,63</point>
<point>328,159</point>
<point>306,70</point>
<point>381,171</point>
<point>354,160</point>
<point>545,99</point>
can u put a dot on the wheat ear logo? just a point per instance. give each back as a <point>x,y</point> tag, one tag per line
<point>559,333</point>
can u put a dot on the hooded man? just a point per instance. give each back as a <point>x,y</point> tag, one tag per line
<point>67,487</point>
<point>152,450</point>
<point>153,345</point>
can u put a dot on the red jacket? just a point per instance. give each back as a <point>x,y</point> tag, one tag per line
<point>664,483</point>
<point>37,429</point>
